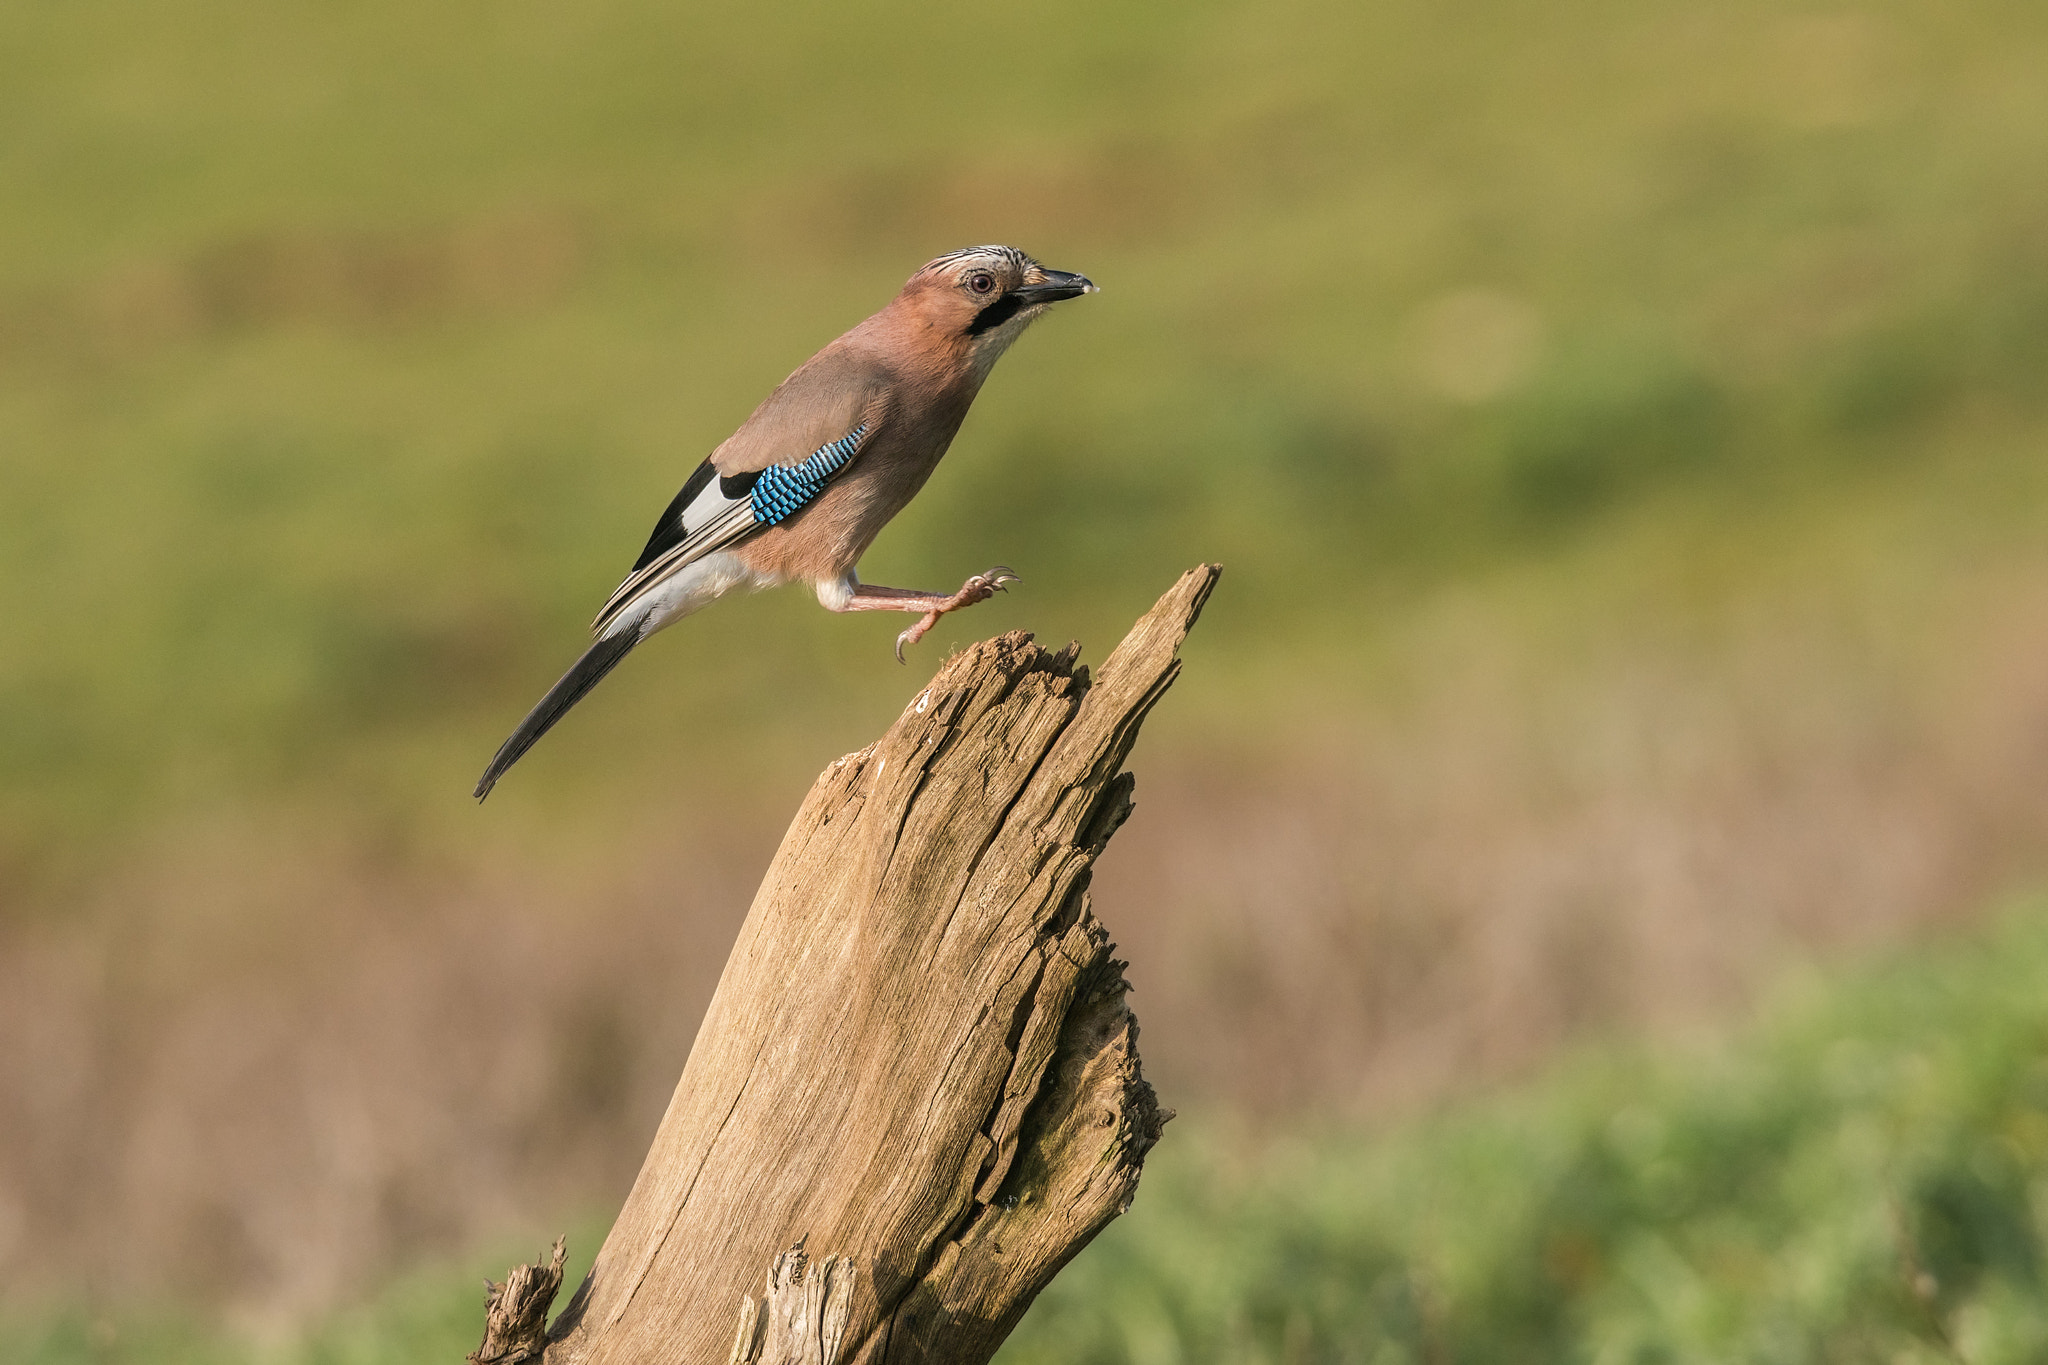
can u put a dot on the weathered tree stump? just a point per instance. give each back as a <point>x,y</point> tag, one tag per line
<point>918,1061</point>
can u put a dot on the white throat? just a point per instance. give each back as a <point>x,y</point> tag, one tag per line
<point>990,345</point>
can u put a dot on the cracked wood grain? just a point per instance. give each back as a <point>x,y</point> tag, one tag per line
<point>801,1318</point>
<point>919,1056</point>
<point>516,1312</point>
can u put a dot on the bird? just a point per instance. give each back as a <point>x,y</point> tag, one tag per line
<point>803,487</point>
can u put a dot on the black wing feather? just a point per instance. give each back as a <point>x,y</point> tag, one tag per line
<point>668,532</point>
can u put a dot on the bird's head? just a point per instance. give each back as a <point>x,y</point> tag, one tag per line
<point>985,296</point>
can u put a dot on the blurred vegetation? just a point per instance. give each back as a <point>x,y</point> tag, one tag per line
<point>346,353</point>
<point>1862,1176</point>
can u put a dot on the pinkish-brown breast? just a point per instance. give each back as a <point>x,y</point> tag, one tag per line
<point>826,539</point>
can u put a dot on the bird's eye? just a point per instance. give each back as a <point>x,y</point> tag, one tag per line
<point>981,282</point>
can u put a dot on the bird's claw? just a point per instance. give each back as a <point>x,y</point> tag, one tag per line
<point>979,588</point>
<point>983,586</point>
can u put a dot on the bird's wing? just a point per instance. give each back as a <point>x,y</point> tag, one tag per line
<point>779,460</point>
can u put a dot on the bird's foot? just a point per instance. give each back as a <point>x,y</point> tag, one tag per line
<point>979,588</point>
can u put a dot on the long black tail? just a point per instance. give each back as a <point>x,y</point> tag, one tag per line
<point>600,659</point>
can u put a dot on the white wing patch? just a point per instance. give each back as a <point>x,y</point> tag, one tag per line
<point>724,511</point>
<point>711,521</point>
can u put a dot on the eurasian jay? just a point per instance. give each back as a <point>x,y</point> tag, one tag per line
<point>801,490</point>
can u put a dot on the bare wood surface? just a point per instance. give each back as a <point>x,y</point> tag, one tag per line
<point>801,1319</point>
<point>918,1058</point>
<point>516,1312</point>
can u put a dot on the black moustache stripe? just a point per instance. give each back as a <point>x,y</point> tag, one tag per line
<point>995,315</point>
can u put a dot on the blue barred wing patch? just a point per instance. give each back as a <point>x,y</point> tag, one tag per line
<point>783,490</point>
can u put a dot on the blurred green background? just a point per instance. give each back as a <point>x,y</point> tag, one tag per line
<point>1623,427</point>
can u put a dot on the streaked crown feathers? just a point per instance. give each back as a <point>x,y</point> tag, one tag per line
<point>1006,260</point>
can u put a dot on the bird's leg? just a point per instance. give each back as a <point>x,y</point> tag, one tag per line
<point>981,587</point>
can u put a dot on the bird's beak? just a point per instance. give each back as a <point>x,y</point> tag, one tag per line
<point>1057,285</point>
